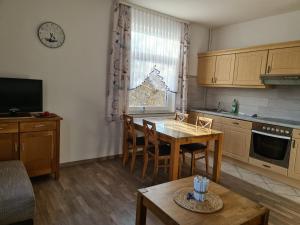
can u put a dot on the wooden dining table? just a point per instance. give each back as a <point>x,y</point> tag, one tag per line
<point>177,133</point>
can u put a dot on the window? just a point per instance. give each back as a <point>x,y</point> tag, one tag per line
<point>154,62</point>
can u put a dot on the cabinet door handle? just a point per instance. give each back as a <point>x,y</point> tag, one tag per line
<point>212,79</point>
<point>266,166</point>
<point>1,128</point>
<point>22,147</point>
<point>16,147</point>
<point>269,69</point>
<point>39,125</point>
<point>294,143</point>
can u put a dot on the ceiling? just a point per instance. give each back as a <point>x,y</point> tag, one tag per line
<point>220,12</point>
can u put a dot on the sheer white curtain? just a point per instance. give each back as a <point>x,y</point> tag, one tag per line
<point>155,42</point>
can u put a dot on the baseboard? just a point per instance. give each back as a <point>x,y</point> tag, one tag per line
<point>85,161</point>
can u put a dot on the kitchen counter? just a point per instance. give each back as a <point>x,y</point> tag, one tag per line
<point>241,116</point>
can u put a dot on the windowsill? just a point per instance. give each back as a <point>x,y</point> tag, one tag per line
<point>150,114</point>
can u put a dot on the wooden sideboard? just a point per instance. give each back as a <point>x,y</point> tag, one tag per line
<point>34,141</point>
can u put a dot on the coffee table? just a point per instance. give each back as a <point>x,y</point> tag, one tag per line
<point>237,209</point>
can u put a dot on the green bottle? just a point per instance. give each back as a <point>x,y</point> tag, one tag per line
<point>235,106</point>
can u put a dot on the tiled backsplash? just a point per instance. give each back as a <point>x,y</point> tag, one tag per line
<point>279,101</point>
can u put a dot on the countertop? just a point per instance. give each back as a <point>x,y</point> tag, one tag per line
<point>241,116</point>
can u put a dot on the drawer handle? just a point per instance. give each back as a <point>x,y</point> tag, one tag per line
<point>235,123</point>
<point>266,166</point>
<point>39,125</point>
<point>1,128</point>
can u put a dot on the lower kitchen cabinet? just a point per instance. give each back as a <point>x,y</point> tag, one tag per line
<point>37,151</point>
<point>236,142</point>
<point>294,165</point>
<point>9,146</point>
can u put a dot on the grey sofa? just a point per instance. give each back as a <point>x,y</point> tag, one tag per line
<point>17,202</point>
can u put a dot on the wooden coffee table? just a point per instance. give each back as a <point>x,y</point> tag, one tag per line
<point>237,210</point>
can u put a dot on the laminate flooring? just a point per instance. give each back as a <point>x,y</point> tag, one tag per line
<point>104,193</point>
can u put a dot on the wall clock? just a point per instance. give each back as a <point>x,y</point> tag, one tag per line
<point>51,35</point>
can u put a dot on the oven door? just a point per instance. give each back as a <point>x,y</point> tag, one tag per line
<point>271,148</point>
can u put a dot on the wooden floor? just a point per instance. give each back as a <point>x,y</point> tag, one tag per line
<point>104,193</point>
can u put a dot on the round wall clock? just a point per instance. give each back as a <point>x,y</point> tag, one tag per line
<point>51,35</point>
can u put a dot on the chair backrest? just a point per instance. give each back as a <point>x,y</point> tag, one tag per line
<point>181,116</point>
<point>204,122</point>
<point>129,128</point>
<point>151,138</point>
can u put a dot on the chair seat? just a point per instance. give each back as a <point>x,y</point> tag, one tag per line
<point>139,141</point>
<point>193,147</point>
<point>164,149</point>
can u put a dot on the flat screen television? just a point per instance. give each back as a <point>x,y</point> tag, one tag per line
<point>21,95</point>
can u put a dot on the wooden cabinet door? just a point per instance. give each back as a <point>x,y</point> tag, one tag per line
<point>206,69</point>
<point>294,165</point>
<point>237,142</point>
<point>249,66</point>
<point>9,147</point>
<point>37,152</point>
<point>284,61</point>
<point>224,69</point>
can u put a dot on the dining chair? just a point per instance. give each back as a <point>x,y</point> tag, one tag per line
<point>154,150</point>
<point>133,142</point>
<point>181,116</point>
<point>200,149</point>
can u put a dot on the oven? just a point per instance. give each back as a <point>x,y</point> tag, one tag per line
<point>270,143</point>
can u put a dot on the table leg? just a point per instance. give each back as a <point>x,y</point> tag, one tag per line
<point>174,161</point>
<point>218,158</point>
<point>141,211</point>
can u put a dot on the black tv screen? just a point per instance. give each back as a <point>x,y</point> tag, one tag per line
<point>25,95</point>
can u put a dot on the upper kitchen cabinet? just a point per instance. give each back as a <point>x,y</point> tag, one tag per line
<point>249,66</point>
<point>206,70</point>
<point>242,68</point>
<point>224,69</point>
<point>284,61</point>
<point>216,70</point>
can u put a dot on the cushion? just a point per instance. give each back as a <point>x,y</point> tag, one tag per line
<point>17,202</point>
<point>139,141</point>
<point>163,149</point>
<point>193,147</point>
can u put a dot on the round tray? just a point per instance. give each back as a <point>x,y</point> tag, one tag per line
<point>213,202</point>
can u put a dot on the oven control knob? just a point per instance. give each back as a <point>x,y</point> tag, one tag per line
<point>263,127</point>
<point>287,132</point>
<point>282,131</point>
<point>268,128</point>
<point>273,129</point>
<point>277,130</point>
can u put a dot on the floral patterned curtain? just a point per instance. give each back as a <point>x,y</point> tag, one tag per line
<point>181,94</point>
<point>119,75</point>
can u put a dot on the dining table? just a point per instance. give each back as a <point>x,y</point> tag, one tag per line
<point>177,133</point>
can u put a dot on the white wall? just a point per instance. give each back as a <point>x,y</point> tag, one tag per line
<point>280,28</point>
<point>74,75</point>
<point>279,101</point>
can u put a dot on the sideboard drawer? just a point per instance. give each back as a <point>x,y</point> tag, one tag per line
<point>37,126</point>
<point>8,128</point>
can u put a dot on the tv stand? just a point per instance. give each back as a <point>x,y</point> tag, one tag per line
<point>18,114</point>
<point>34,141</point>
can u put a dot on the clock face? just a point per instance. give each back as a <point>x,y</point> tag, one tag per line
<point>51,35</point>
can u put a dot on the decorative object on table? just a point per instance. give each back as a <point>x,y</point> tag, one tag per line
<point>199,199</point>
<point>235,106</point>
<point>200,188</point>
<point>45,114</point>
<point>51,35</point>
